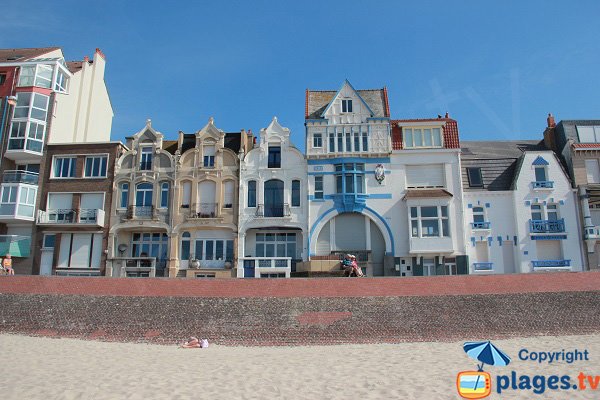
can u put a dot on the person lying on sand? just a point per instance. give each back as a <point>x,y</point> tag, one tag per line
<point>194,343</point>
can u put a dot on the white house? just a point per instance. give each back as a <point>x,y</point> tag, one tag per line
<point>520,209</point>
<point>273,209</point>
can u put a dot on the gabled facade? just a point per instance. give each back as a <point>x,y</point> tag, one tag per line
<point>578,144</point>
<point>520,209</point>
<point>348,145</point>
<point>427,198</point>
<point>205,206</point>
<point>140,235</point>
<point>45,100</point>
<point>273,206</point>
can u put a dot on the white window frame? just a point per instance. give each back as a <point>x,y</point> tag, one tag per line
<point>440,217</point>
<point>317,140</point>
<point>72,166</point>
<point>164,187</point>
<point>346,106</point>
<point>30,128</point>
<point>146,152</point>
<point>319,193</point>
<point>92,159</point>
<point>411,132</point>
<point>123,190</point>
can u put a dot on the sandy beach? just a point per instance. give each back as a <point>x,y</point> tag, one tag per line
<point>48,368</point>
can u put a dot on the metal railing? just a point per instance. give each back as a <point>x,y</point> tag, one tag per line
<point>71,216</point>
<point>18,176</point>
<point>133,266</point>
<point>551,263</point>
<point>480,225</point>
<point>546,226</point>
<point>483,266</point>
<point>266,265</point>
<point>204,210</point>
<point>273,211</point>
<point>543,184</point>
<point>140,212</point>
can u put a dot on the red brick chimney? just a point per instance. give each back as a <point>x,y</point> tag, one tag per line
<point>550,120</point>
<point>549,135</point>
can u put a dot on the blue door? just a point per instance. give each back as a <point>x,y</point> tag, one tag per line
<point>248,268</point>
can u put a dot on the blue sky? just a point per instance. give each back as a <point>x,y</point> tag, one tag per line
<point>498,68</point>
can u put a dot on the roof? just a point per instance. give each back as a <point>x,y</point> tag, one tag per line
<point>13,55</point>
<point>232,141</point>
<point>498,161</point>
<point>450,132</point>
<point>426,194</point>
<point>74,66</point>
<point>170,146</point>
<point>318,100</point>
<point>595,146</point>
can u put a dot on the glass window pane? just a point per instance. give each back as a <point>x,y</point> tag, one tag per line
<point>291,250</point>
<point>185,250</point>
<point>270,250</point>
<point>260,250</point>
<point>281,250</point>
<point>430,227</point>
<point>418,137</point>
<point>229,250</point>
<point>445,228</point>
<point>444,211</point>
<point>429,212</point>
<point>199,249</point>
<point>349,183</point>
<point>540,174</point>
<point>219,250</point>
<point>413,212</point>
<point>338,184</point>
<point>414,227</point>
<point>437,137</point>
<point>260,237</point>
<point>408,138</point>
<point>210,250</point>
<point>427,135</point>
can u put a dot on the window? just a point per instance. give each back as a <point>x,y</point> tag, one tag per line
<point>64,167</point>
<point>62,82</point>
<point>146,158</point>
<point>425,176</point>
<point>49,241</point>
<point>478,216</point>
<point>540,174</point>
<point>209,156</point>
<point>295,193</point>
<point>552,212</point>
<point>346,106</point>
<point>422,137</point>
<point>429,221</point>
<point>365,141</point>
<point>124,201</point>
<point>356,141</point>
<point>252,194</point>
<point>276,245</point>
<point>228,187</point>
<point>350,178</point>
<point>26,201</point>
<point>319,187</point>
<point>474,175</point>
<point>151,244</point>
<point>40,76</point>
<point>29,122</point>
<point>588,134</point>
<point>143,195</point>
<point>186,194</point>
<point>43,77</point>
<point>274,157</point>
<point>26,76</point>
<point>2,79</point>
<point>185,245</point>
<point>164,195</point>
<point>593,171</point>
<point>348,141</point>
<point>95,167</point>
<point>536,212</point>
<point>317,140</point>
<point>340,142</point>
<point>331,142</point>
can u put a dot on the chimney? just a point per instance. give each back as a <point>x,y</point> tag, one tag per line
<point>549,134</point>
<point>447,115</point>
<point>86,59</point>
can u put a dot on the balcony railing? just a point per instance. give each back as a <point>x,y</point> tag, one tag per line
<point>134,267</point>
<point>18,176</point>
<point>483,266</point>
<point>480,225</point>
<point>91,216</point>
<point>204,210</point>
<point>551,263</point>
<point>547,226</point>
<point>543,184</point>
<point>273,211</point>
<point>140,212</point>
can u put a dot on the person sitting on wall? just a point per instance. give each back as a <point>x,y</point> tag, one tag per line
<point>7,264</point>
<point>356,270</point>
<point>347,265</point>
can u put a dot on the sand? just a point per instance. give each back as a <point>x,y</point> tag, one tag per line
<point>47,368</point>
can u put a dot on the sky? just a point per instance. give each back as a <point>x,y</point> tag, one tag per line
<point>497,67</point>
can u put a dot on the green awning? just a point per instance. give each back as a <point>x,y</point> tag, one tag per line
<point>16,246</point>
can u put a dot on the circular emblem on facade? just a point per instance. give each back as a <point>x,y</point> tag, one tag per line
<point>379,173</point>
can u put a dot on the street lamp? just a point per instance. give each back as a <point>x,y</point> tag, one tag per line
<point>11,100</point>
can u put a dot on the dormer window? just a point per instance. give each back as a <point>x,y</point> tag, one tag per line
<point>274,160</point>
<point>146,158</point>
<point>209,156</point>
<point>346,106</point>
<point>588,134</point>
<point>540,174</point>
<point>422,137</point>
<point>475,179</point>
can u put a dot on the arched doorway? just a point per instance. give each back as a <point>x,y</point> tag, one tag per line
<point>273,198</point>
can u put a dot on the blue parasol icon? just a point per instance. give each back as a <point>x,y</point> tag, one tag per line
<point>487,353</point>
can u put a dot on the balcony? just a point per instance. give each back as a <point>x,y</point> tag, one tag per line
<point>82,216</point>
<point>483,266</point>
<point>263,211</point>
<point>134,267</point>
<point>543,184</point>
<point>551,264</point>
<point>24,150</point>
<point>18,176</point>
<point>547,226</point>
<point>253,267</point>
<point>140,212</point>
<point>480,225</point>
<point>18,202</point>
<point>204,211</point>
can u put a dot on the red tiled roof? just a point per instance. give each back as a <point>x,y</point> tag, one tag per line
<point>586,145</point>
<point>6,55</point>
<point>450,131</point>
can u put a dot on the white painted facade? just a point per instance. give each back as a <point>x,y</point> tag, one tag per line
<point>273,209</point>
<point>512,243</point>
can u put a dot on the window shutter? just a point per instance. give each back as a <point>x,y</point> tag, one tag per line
<point>228,196</point>
<point>462,263</point>
<point>421,176</point>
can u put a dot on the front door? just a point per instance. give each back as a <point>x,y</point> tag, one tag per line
<point>46,262</point>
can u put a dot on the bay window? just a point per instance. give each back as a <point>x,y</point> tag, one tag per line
<point>429,221</point>
<point>350,178</point>
<point>422,137</point>
<point>29,122</point>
